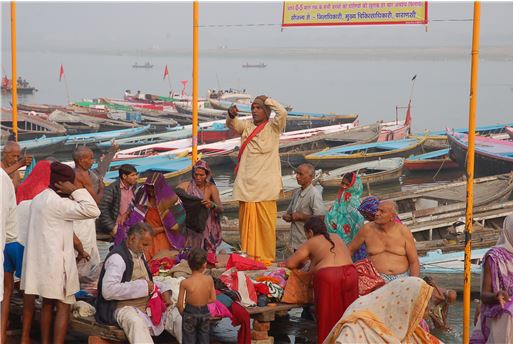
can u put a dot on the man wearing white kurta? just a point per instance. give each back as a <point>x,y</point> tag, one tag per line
<point>7,219</point>
<point>49,266</point>
<point>125,287</point>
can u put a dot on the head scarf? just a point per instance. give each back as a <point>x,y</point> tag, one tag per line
<point>260,100</point>
<point>506,235</point>
<point>60,172</point>
<point>390,314</point>
<point>203,164</point>
<point>37,181</point>
<point>369,205</point>
<point>170,209</point>
<point>343,217</point>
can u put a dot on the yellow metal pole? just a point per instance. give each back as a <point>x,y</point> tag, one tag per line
<point>470,171</point>
<point>195,83</point>
<point>14,77</point>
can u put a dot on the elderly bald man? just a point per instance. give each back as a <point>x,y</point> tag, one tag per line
<point>390,245</point>
<point>12,161</point>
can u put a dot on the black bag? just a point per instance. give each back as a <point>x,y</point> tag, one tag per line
<point>196,214</point>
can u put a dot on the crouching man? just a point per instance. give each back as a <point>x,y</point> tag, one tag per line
<point>125,287</point>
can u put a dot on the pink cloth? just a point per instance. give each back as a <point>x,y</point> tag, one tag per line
<point>157,306</point>
<point>218,310</point>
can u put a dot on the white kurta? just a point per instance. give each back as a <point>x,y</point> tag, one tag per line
<point>49,266</point>
<point>88,271</point>
<point>7,219</point>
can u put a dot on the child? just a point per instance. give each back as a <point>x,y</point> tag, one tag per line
<point>197,291</point>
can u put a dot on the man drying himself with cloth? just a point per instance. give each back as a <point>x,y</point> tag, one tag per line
<point>49,266</point>
<point>258,182</point>
<point>390,245</point>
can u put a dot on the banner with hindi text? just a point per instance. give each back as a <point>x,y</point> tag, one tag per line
<point>309,13</point>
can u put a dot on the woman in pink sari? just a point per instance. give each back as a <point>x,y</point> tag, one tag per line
<point>203,186</point>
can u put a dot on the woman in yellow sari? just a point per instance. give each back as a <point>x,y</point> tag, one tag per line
<point>390,314</point>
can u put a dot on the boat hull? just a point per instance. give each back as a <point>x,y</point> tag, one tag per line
<point>485,164</point>
<point>430,165</point>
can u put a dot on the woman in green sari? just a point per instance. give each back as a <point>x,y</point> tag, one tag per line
<point>344,218</point>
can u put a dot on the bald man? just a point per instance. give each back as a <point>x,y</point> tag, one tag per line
<point>12,161</point>
<point>390,245</point>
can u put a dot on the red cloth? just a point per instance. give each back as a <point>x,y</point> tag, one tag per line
<point>37,181</point>
<point>261,288</point>
<point>166,263</point>
<point>157,306</point>
<point>242,263</point>
<point>335,288</point>
<point>240,316</point>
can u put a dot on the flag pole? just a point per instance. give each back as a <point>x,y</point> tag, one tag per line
<point>66,86</point>
<point>14,77</point>
<point>470,171</point>
<point>195,83</point>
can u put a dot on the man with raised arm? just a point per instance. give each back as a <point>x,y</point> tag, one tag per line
<point>258,182</point>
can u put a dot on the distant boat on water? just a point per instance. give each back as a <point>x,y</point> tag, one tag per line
<point>256,65</point>
<point>146,65</point>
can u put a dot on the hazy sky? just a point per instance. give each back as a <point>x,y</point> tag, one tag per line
<point>145,25</point>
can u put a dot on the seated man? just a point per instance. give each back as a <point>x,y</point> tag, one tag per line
<point>125,287</point>
<point>390,245</point>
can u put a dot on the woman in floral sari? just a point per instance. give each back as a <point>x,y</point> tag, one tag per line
<point>158,205</point>
<point>390,314</point>
<point>344,218</point>
<point>495,324</point>
<point>202,185</point>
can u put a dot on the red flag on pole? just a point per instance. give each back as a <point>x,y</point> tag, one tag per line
<point>166,73</point>
<point>184,83</point>
<point>407,120</point>
<point>61,73</point>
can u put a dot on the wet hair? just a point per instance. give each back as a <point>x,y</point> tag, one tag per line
<point>197,258</point>
<point>317,226</point>
<point>393,204</point>
<point>126,169</point>
<point>80,152</point>
<point>9,146</point>
<point>139,229</point>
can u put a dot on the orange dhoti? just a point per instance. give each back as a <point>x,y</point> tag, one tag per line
<point>257,225</point>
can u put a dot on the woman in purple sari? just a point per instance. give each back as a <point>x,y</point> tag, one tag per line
<point>158,205</point>
<point>495,324</point>
<point>202,185</point>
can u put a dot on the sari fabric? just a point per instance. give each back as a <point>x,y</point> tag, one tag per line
<point>390,314</point>
<point>35,182</point>
<point>210,239</point>
<point>344,218</point>
<point>496,322</point>
<point>172,214</point>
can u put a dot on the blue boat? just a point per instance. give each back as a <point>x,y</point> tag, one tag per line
<point>42,146</point>
<point>173,167</point>
<point>447,268</point>
<point>436,160</point>
<point>104,135</point>
<point>352,154</point>
<point>141,140</point>
<point>482,130</point>
<point>491,156</point>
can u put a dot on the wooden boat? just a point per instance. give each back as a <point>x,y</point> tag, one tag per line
<point>447,268</point>
<point>356,135</point>
<point>74,123</point>
<point>22,86</point>
<point>290,185</point>
<point>491,156</point>
<point>90,138</point>
<point>254,65</point>
<point>43,146</point>
<point>484,130</point>
<point>432,161</point>
<point>370,172</point>
<point>173,167</point>
<point>140,140</point>
<point>30,127</point>
<point>145,65</point>
<point>347,155</point>
<point>204,112</point>
<point>509,131</point>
